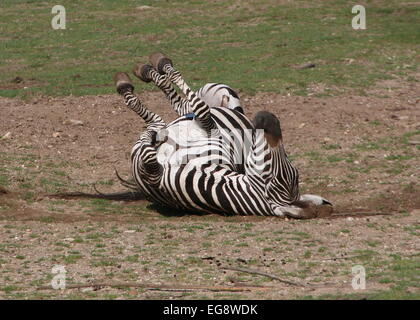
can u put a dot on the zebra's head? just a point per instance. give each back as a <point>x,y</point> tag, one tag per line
<point>282,188</point>
<point>309,206</point>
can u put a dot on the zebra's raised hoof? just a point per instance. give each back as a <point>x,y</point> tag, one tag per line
<point>158,60</point>
<point>271,125</point>
<point>141,71</point>
<point>123,82</point>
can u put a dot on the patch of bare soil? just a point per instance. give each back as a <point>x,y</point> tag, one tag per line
<point>357,151</point>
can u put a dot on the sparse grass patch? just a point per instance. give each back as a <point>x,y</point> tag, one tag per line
<point>49,219</point>
<point>334,158</point>
<point>4,180</point>
<point>331,146</point>
<point>9,289</point>
<point>72,258</point>
<point>133,258</point>
<point>398,157</point>
<point>104,263</point>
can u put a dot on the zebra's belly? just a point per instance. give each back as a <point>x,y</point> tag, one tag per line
<point>185,142</point>
<point>192,162</point>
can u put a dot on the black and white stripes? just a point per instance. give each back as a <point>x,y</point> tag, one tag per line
<point>213,158</point>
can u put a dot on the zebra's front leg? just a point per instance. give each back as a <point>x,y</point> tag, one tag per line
<point>198,106</point>
<point>147,73</point>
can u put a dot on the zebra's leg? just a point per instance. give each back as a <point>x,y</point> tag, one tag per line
<point>144,152</point>
<point>147,73</point>
<point>126,89</point>
<point>198,106</point>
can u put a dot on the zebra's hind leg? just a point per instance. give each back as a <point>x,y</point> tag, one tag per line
<point>147,73</point>
<point>198,106</point>
<point>126,89</point>
<point>144,153</point>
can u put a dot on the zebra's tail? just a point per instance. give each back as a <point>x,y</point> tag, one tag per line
<point>133,194</point>
<point>117,196</point>
<point>129,184</point>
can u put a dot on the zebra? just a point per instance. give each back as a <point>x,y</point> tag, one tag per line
<point>212,158</point>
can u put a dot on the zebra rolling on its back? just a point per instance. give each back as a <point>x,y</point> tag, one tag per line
<point>212,158</point>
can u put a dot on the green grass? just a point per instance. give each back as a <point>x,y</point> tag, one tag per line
<point>4,181</point>
<point>8,289</point>
<point>401,275</point>
<point>250,46</point>
<point>72,258</point>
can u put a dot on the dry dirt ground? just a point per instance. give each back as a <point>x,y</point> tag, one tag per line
<point>360,152</point>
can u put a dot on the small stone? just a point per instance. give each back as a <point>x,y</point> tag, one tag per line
<point>412,290</point>
<point>73,122</point>
<point>142,8</point>
<point>8,135</point>
<point>349,219</point>
<point>415,212</point>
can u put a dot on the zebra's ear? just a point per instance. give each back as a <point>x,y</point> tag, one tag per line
<point>225,101</point>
